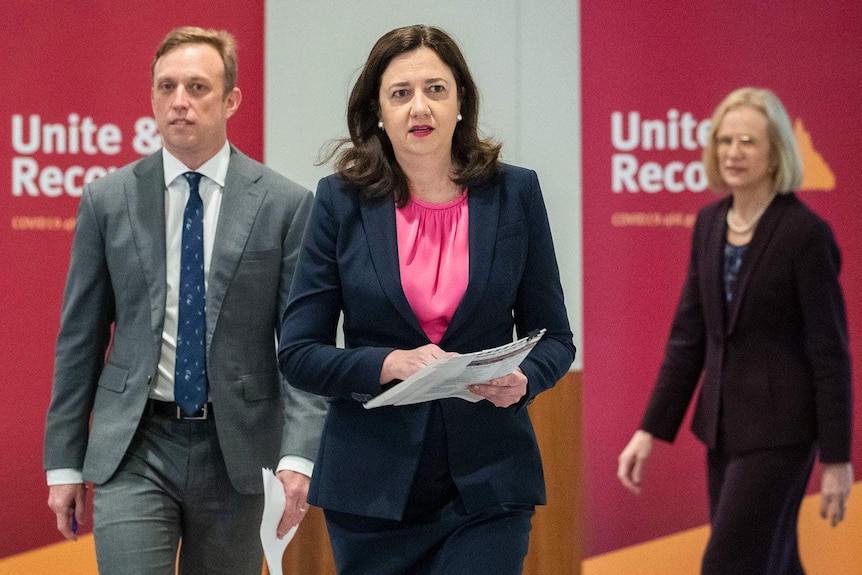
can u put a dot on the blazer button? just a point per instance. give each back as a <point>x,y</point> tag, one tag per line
<point>361,397</point>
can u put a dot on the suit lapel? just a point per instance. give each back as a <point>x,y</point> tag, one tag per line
<point>146,201</point>
<point>241,200</point>
<point>484,214</point>
<point>763,233</point>
<point>712,262</point>
<point>378,219</point>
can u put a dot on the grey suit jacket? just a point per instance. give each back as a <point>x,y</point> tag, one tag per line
<point>109,343</point>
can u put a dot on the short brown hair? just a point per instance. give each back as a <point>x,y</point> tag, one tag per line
<point>784,158</point>
<point>221,40</point>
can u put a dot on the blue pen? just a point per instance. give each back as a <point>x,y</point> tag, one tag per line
<point>74,525</point>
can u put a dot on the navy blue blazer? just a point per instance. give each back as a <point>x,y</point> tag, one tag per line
<point>776,363</point>
<point>349,263</point>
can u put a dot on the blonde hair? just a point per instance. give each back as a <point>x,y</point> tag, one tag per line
<point>784,158</point>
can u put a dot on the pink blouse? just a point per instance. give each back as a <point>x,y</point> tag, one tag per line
<point>434,258</point>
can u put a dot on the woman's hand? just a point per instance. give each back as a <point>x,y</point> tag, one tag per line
<point>632,459</point>
<point>834,491</point>
<point>402,363</point>
<point>503,391</point>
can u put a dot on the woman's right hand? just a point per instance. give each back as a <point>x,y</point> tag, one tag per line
<point>402,363</point>
<point>632,460</point>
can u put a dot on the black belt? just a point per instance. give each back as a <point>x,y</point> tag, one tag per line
<point>171,410</point>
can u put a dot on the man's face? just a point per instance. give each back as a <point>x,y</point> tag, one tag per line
<point>189,102</point>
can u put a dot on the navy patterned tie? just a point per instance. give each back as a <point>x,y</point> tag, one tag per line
<point>190,375</point>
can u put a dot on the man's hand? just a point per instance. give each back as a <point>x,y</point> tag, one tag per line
<point>68,501</point>
<point>295,500</point>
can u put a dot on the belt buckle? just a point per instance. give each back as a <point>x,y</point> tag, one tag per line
<point>202,413</point>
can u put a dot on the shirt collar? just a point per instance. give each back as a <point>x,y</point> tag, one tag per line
<point>215,168</point>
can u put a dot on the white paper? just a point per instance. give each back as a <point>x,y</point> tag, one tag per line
<point>273,509</point>
<point>450,377</point>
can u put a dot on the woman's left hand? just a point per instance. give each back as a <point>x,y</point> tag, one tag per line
<point>503,391</point>
<point>834,491</point>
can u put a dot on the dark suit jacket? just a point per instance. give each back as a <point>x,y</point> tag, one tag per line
<point>116,281</point>
<point>776,365</point>
<point>349,262</point>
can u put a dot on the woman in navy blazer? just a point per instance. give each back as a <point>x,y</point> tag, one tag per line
<point>762,318</point>
<point>446,486</point>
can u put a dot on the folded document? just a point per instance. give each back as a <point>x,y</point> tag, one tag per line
<point>450,376</point>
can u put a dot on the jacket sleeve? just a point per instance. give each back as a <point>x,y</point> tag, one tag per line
<point>308,356</point>
<point>816,270</point>
<point>85,330</point>
<point>304,413</point>
<point>540,302</point>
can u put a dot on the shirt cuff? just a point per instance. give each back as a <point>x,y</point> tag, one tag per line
<point>295,463</point>
<point>64,476</point>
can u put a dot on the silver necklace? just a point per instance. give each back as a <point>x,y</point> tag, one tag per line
<point>746,227</point>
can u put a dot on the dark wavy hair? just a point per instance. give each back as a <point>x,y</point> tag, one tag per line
<point>366,158</point>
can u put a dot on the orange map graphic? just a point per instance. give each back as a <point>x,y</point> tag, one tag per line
<point>816,172</point>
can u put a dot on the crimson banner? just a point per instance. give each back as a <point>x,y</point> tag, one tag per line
<point>76,106</point>
<point>652,74</point>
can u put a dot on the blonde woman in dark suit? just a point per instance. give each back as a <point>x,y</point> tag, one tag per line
<point>762,319</point>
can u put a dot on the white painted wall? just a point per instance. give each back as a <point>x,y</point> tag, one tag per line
<point>524,56</point>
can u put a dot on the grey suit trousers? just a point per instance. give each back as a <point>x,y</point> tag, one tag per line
<point>172,490</point>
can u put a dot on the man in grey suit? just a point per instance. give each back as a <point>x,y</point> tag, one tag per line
<point>163,472</point>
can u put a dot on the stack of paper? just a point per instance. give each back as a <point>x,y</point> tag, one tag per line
<point>273,509</point>
<point>450,377</point>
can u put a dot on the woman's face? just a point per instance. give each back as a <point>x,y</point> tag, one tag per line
<point>419,105</point>
<point>742,145</point>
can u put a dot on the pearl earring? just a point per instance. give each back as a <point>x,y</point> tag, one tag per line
<point>380,124</point>
<point>459,117</point>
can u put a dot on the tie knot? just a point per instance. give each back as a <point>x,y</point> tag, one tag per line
<point>194,179</point>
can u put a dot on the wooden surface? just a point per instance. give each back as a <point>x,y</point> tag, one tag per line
<point>309,552</point>
<point>555,543</point>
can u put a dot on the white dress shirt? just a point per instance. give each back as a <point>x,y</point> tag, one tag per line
<point>177,191</point>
